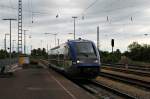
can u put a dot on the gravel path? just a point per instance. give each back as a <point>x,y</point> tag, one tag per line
<point>139,93</point>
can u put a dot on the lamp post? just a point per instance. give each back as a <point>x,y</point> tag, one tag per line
<point>25,41</point>
<point>74,17</point>
<point>5,41</point>
<point>42,44</point>
<point>58,41</point>
<point>98,37</point>
<point>30,37</point>
<point>10,19</point>
<point>13,45</point>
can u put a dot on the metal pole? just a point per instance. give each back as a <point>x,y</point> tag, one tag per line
<point>10,42</point>
<point>30,43</point>
<point>41,44</point>
<point>20,26</point>
<point>5,42</point>
<point>74,29</point>
<point>74,17</point>
<point>31,47</point>
<point>47,48</point>
<point>25,41</point>
<point>58,42</point>
<point>10,38</point>
<point>46,43</point>
<point>98,37</point>
<point>112,49</point>
<point>55,39</point>
<point>13,45</point>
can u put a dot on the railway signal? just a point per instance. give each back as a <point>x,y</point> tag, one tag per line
<point>112,44</point>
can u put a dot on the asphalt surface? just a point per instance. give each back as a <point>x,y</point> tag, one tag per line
<point>39,83</point>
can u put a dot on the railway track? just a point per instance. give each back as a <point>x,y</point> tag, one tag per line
<point>140,68</point>
<point>131,71</point>
<point>101,90</point>
<point>132,81</point>
<point>97,88</point>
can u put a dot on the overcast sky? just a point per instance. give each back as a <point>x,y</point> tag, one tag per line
<point>128,21</point>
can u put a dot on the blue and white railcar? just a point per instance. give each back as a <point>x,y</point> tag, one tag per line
<point>77,58</point>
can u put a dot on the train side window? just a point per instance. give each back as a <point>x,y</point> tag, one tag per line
<point>66,53</point>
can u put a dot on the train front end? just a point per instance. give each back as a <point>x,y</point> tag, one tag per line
<point>85,59</point>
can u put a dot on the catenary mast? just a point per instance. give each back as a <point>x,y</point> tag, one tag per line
<point>20,26</point>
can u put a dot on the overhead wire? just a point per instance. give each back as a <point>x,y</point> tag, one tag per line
<point>85,10</point>
<point>89,6</point>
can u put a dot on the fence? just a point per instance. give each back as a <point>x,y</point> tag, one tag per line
<point>6,63</point>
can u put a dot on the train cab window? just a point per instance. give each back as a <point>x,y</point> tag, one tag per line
<point>85,49</point>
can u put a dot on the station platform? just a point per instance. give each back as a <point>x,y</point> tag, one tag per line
<point>40,83</point>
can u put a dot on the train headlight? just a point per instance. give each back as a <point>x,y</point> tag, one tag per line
<point>78,61</point>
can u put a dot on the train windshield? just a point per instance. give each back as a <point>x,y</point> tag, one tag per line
<point>85,49</point>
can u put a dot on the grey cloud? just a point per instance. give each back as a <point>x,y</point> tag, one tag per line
<point>44,14</point>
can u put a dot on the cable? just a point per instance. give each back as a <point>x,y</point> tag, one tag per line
<point>88,8</point>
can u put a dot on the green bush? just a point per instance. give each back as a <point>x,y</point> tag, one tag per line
<point>108,57</point>
<point>138,52</point>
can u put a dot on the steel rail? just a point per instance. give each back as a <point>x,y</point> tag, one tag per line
<point>128,80</point>
<point>134,67</point>
<point>113,90</point>
<point>97,85</point>
<point>131,71</point>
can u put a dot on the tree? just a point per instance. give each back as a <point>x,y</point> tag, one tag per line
<point>3,54</point>
<point>133,46</point>
<point>139,52</point>
<point>39,53</point>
